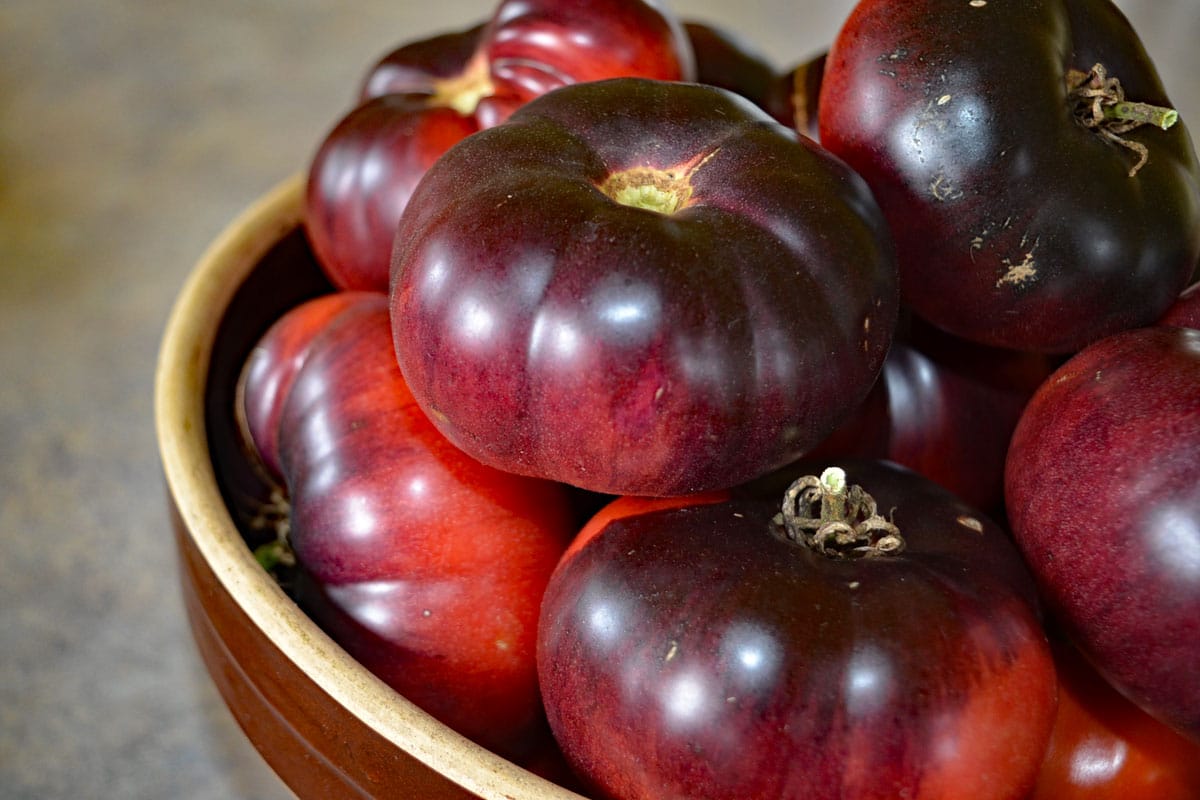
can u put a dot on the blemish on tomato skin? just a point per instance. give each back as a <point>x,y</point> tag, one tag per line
<point>1019,274</point>
<point>970,523</point>
<point>943,190</point>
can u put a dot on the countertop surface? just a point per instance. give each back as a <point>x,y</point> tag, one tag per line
<point>131,133</point>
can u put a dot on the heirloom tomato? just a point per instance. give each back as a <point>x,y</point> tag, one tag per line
<point>1102,487</point>
<point>424,96</point>
<point>424,565</point>
<point>641,287</point>
<point>1041,191</point>
<point>870,636</point>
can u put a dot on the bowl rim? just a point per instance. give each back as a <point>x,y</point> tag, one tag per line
<point>180,382</point>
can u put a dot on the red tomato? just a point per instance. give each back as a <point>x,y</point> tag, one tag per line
<point>1106,748</point>
<point>428,94</point>
<point>423,564</point>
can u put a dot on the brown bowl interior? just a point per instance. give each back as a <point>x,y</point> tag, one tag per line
<point>326,725</point>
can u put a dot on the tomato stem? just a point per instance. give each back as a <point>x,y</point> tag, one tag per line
<point>664,191</point>
<point>1142,114</point>
<point>274,515</point>
<point>1099,104</point>
<point>847,523</point>
<point>833,494</point>
<point>464,91</point>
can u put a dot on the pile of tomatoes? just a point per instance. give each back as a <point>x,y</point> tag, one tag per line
<point>681,427</point>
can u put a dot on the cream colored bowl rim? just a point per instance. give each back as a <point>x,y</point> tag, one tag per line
<point>180,380</point>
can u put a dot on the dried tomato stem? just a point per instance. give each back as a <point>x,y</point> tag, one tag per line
<point>274,515</point>
<point>1099,104</point>
<point>846,523</point>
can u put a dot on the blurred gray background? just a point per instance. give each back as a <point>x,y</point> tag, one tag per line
<point>131,133</point>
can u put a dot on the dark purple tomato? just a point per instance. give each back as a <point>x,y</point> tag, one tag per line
<point>726,60</point>
<point>857,649</point>
<point>646,287</point>
<point>1103,494</point>
<point>1030,208</point>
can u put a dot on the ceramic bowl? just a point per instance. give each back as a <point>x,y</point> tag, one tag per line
<point>325,724</point>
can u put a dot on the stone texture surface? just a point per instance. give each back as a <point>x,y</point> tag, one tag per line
<point>130,134</point>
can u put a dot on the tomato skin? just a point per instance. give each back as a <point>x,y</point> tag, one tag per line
<point>423,564</point>
<point>536,46</point>
<point>1184,312</point>
<point>686,651</point>
<point>1106,748</point>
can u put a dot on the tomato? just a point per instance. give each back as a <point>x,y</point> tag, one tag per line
<point>649,288</point>
<point>700,647</point>
<point>1102,487</point>
<point>991,134</point>
<point>1106,748</point>
<point>426,566</point>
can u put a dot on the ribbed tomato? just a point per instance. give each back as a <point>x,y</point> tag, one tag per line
<point>425,565</point>
<point>641,287</point>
